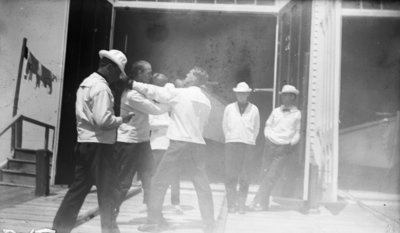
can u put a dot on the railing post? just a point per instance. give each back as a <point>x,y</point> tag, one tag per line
<point>42,172</point>
<point>18,133</point>
<point>46,139</point>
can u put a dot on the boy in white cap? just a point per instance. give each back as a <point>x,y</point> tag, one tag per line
<point>97,130</point>
<point>282,132</point>
<point>240,124</point>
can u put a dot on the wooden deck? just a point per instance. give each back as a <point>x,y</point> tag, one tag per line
<point>285,216</point>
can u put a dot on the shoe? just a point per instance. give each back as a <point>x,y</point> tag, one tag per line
<point>178,209</point>
<point>256,207</point>
<point>154,227</point>
<point>149,227</point>
<point>242,210</point>
<point>232,209</point>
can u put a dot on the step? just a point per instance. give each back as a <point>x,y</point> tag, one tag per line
<point>22,165</point>
<point>17,177</point>
<point>25,154</point>
<point>16,185</point>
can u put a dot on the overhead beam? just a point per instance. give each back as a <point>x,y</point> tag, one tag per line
<point>199,7</point>
<point>370,13</point>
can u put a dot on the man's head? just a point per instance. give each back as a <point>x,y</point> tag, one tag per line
<point>288,95</point>
<point>159,79</point>
<point>242,91</point>
<point>141,71</point>
<point>112,64</point>
<point>196,77</point>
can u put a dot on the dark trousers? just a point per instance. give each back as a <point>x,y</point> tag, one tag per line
<point>238,158</point>
<point>175,185</point>
<point>274,161</point>
<point>94,166</point>
<point>132,158</point>
<point>166,171</point>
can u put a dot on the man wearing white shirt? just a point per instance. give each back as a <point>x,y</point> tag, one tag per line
<point>132,149</point>
<point>240,124</point>
<point>97,126</point>
<point>282,132</point>
<point>159,142</point>
<point>190,109</point>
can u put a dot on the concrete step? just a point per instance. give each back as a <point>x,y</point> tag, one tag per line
<point>17,177</point>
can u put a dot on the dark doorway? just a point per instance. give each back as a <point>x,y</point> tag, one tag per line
<point>88,32</point>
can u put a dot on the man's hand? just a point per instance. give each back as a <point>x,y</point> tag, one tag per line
<point>128,117</point>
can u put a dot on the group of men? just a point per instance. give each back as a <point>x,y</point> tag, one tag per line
<point>163,124</point>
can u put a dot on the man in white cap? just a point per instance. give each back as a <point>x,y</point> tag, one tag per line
<point>240,124</point>
<point>97,130</point>
<point>282,132</point>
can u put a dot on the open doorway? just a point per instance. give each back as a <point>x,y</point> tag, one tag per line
<point>232,47</point>
<point>370,100</point>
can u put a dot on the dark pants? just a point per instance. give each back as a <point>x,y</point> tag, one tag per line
<point>132,158</point>
<point>94,166</point>
<point>165,173</point>
<point>238,158</point>
<point>274,160</point>
<point>175,185</point>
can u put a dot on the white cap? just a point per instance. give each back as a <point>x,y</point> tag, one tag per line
<point>242,87</point>
<point>289,89</point>
<point>117,57</point>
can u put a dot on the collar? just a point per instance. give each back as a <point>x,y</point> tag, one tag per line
<point>288,109</point>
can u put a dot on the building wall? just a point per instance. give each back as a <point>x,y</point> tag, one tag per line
<point>43,23</point>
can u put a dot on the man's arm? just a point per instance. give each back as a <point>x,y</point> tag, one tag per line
<point>103,113</point>
<point>296,137</point>
<point>256,123</point>
<point>142,104</point>
<point>160,94</point>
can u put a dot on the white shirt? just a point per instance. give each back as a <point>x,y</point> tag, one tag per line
<point>241,127</point>
<point>95,119</point>
<point>159,126</point>
<point>283,128</point>
<point>138,128</point>
<point>190,109</point>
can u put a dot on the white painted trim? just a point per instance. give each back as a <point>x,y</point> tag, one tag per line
<point>336,107</point>
<point>199,7</point>
<point>57,127</point>
<point>370,13</point>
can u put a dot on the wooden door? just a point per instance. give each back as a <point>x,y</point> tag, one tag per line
<point>293,49</point>
<point>88,32</point>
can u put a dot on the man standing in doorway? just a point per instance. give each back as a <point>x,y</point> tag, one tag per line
<point>190,109</point>
<point>282,132</point>
<point>96,126</point>
<point>241,124</point>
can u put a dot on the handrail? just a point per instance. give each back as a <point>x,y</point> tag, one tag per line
<point>21,118</point>
<point>15,119</point>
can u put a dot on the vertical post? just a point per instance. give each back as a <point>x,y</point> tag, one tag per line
<point>18,133</point>
<point>42,172</point>
<point>17,89</point>
<point>46,139</point>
